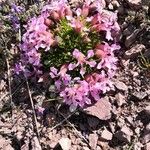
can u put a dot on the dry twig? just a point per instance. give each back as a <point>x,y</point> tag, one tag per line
<point>9,81</point>
<point>32,105</point>
<point>76,131</point>
<point>8,69</point>
<point>8,94</point>
<point>60,123</point>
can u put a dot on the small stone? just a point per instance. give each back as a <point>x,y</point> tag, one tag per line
<point>134,3</point>
<point>98,148</point>
<point>147,110</point>
<point>35,144</point>
<point>134,73</point>
<point>121,11</point>
<point>52,144</point>
<point>138,96</point>
<point>147,146</point>
<point>121,122</point>
<point>112,126</point>
<point>138,146</point>
<point>115,3</point>
<point>127,130</point>
<point>103,145</point>
<point>93,138</point>
<point>130,120</point>
<point>124,134</point>
<point>19,135</point>
<point>86,148</point>
<point>137,131</point>
<point>120,99</point>
<point>148,93</point>
<point>121,86</point>
<point>110,6</point>
<point>134,51</point>
<point>65,143</point>
<point>148,127</point>
<point>128,31</point>
<point>131,38</point>
<point>146,136</point>
<point>106,135</point>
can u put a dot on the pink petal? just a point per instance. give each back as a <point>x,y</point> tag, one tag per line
<point>108,35</point>
<point>82,71</point>
<point>72,66</point>
<point>92,63</point>
<point>90,53</point>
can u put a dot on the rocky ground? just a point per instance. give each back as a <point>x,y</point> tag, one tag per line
<point>120,121</point>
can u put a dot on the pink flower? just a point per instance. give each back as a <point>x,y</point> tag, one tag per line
<point>63,70</point>
<point>79,56</point>
<point>34,57</point>
<point>76,95</point>
<point>85,10</point>
<point>53,72</point>
<point>81,60</point>
<point>19,68</point>
<point>58,84</point>
<point>77,25</point>
<point>83,79</point>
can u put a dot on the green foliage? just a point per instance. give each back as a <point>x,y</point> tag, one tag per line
<point>68,40</point>
<point>144,62</point>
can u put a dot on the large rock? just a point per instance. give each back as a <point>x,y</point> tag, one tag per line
<point>101,109</point>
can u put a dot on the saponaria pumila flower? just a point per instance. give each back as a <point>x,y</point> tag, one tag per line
<point>76,45</point>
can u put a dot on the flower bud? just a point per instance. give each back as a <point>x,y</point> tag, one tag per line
<point>85,10</point>
<point>94,19</point>
<point>100,53</point>
<point>63,69</point>
<point>55,15</point>
<point>47,22</point>
<point>68,11</point>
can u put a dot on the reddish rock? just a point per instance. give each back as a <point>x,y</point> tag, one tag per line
<point>101,109</point>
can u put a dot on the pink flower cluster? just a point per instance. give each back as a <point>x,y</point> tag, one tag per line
<point>95,67</point>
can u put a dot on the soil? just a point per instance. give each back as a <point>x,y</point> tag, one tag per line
<point>122,122</point>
